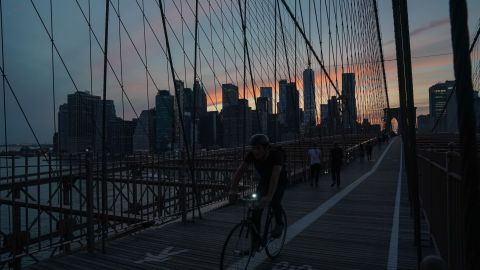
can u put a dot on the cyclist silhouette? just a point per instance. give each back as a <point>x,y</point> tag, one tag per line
<point>269,163</point>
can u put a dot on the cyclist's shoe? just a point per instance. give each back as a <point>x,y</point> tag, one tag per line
<point>277,231</point>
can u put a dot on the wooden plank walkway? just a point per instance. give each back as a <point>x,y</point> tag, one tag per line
<point>353,233</point>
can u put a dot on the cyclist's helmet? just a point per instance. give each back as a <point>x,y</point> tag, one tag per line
<point>259,139</point>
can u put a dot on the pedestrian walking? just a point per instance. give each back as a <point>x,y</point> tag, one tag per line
<point>362,151</point>
<point>315,161</point>
<point>336,159</point>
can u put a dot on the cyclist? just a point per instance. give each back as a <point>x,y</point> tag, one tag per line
<point>269,163</point>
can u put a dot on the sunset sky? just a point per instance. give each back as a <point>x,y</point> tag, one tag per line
<point>28,56</point>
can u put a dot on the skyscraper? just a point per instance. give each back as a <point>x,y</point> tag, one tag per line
<point>267,93</point>
<point>237,123</point>
<point>110,116</point>
<point>179,95</point>
<point>333,118</point>
<point>438,95</point>
<point>309,97</point>
<point>63,122</point>
<point>82,122</point>
<point>164,119</point>
<point>201,99</point>
<point>282,104</point>
<point>187,100</point>
<point>260,116</point>
<point>207,129</point>
<point>292,110</point>
<point>349,115</point>
<point>144,135</point>
<point>262,104</point>
<point>323,112</point>
<point>229,95</point>
<point>120,135</point>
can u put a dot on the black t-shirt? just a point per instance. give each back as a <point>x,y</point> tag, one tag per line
<point>265,167</point>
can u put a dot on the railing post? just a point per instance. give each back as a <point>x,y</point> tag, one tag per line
<point>89,187</point>
<point>183,195</point>
<point>448,160</point>
<point>14,243</point>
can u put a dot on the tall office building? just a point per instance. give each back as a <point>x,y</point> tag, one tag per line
<point>229,95</point>
<point>333,119</point>
<point>144,135</point>
<point>292,110</point>
<point>323,112</point>
<point>438,95</point>
<point>442,114</point>
<point>260,116</point>
<point>179,95</point>
<point>164,119</point>
<point>309,98</point>
<point>63,122</point>
<point>187,100</point>
<point>120,135</point>
<point>201,99</point>
<point>237,124</point>
<point>110,116</point>
<point>282,103</point>
<point>262,104</point>
<point>349,115</point>
<point>82,109</point>
<point>208,129</point>
<point>266,92</point>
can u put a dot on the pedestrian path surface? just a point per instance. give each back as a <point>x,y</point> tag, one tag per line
<point>364,224</point>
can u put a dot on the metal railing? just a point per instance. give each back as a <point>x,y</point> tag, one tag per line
<point>441,197</point>
<point>51,205</point>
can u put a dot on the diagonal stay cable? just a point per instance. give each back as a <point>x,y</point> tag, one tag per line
<point>21,109</point>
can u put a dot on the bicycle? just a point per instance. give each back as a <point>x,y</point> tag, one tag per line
<point>239,247</point>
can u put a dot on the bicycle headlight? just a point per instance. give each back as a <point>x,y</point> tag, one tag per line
<point>254,195</point>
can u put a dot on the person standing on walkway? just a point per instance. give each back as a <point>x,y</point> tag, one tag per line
<point>314,159</point>
<point>368,148</point>
<point>336,158</point>
<point>362,152</point>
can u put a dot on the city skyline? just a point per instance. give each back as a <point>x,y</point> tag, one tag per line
<point>429,37</point>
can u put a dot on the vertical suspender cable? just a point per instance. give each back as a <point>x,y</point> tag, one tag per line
<point>123,136</point>
<point>284,44</point>
<point>169,56</point>
<point>379,37</point>
<point>247,54</point>
<point>104,161</point>
<point>4,91</point>
<point>53,81</point>
<point>275,72</point>
<point>196,91</point>
<point>90,47</point>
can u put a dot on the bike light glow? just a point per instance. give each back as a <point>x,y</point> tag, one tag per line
<point>254,195</point>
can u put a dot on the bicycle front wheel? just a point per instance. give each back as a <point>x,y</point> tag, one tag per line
<point>274,245</point>
<point>237,249</point>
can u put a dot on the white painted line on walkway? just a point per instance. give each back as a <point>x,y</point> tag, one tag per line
<point>308,219</point>
<point>393,249</point>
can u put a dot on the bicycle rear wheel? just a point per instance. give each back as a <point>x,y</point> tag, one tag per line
<point>274,246</point>
<point>237,249</point>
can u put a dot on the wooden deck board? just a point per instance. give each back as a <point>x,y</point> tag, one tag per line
<point>354,234</point>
